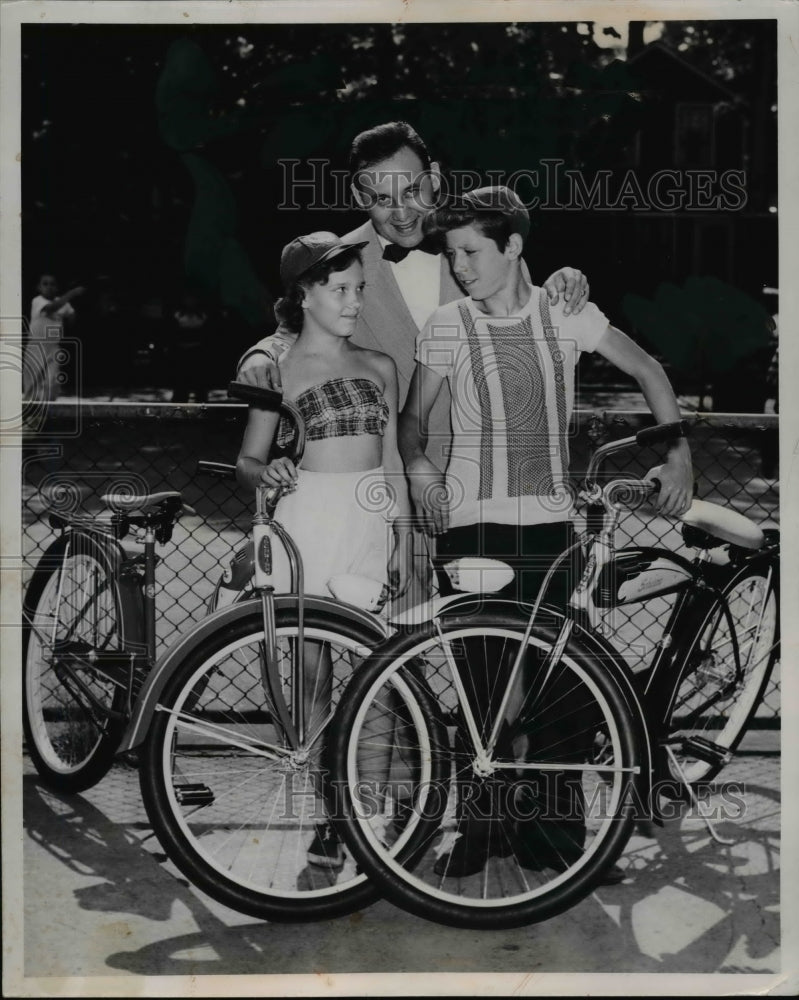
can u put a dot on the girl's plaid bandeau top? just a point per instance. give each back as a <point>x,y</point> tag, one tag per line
<point>339,407</point>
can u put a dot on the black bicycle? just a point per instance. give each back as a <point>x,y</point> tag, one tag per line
<point>571,748</point>
<point>88,639</point>
<point>89,627</point>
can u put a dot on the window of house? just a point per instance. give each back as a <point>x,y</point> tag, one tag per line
<point>694,141</point>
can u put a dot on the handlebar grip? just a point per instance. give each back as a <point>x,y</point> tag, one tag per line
<point>223,470</point>
<point>266,399</point>
<point>662,432</point>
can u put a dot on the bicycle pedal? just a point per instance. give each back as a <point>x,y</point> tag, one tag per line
<point>193,795</point>
<point>706,750</point>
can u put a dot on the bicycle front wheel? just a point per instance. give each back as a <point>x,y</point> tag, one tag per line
<point>523,830</point>
<point>235,803</point>
<point>74,619</point>
<point>715,696</point>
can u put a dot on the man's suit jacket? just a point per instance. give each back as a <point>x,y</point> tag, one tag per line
<point>385,324</point>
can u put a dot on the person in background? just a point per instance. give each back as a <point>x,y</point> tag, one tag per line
<point>51,313</point>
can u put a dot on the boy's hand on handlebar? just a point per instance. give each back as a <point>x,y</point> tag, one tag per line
<point>280,472</point>
<point>676,484</point>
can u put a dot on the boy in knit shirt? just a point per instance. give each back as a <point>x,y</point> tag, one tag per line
<point>509,359</point>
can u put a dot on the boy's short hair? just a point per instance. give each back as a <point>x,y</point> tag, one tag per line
<point>384,141</point>
<point>497,212</point>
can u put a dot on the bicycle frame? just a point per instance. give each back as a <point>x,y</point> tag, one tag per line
<point>692,602</point>
<point>698,585</point>
<point>159,677</point>
<point>118,667</point>
<point>265,529</point>
<point>133,579</point>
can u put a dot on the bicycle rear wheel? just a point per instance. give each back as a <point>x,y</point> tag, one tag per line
<point>72,710</point>
<point>552,806</point>
<point>232,801</point>
<point>713,698</point>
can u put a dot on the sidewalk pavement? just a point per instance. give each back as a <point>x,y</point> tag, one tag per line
<point>101,899</point>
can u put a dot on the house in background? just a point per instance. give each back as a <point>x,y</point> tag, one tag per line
<point>699,126</point>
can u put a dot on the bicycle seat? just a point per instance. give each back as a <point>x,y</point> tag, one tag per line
<point>478,576</point>
<point>723,524</point>
<point>139,502</point>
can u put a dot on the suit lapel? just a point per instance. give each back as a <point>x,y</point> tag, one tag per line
<point>385,323</point>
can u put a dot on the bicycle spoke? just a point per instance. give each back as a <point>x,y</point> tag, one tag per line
<point>225,736</point>
<point>237,803</point>
<point>716,691</point>
<point>504,834</point>
<point>74,704</point>
<point>578,768</point>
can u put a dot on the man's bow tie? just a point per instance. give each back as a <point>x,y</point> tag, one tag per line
<point>395,254</point>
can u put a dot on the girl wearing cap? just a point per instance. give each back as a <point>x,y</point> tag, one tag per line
<point>347,505</point>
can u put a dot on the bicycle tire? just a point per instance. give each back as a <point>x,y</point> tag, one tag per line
<point>241,831</point>
<point>508,891</point>
<point>73,596</point>
<point>708,699</point>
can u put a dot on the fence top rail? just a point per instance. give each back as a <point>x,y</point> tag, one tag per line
<point>695,416</point>
<point>128,409</point>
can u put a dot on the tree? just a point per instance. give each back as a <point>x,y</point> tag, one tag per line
<point>703,329</point>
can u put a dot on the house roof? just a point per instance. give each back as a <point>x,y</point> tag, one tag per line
<point>657,52</point>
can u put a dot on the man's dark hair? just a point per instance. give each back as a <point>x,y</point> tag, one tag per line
<point>383,141</point>
<point>288,309</point>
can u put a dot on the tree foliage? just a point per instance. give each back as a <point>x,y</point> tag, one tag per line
<point>151,151</point>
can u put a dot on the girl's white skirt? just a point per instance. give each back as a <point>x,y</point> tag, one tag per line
<point>341,523</point>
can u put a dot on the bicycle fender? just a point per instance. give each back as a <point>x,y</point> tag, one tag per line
<point>50,559</point>
<point>199,634</point>
<point>109,550</point>
<point>454,604</point>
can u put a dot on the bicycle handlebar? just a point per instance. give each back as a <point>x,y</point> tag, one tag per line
<point>630,491</point>
<point>222,470</point>
<point>647,436</point>
<point>274,400</point>
<point>266,399</point>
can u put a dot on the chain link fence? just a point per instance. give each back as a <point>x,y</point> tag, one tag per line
<point>79,451</point>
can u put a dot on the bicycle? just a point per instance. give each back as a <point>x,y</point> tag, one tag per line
<point>89,628</point>
<point>88,640</point>
<point>570,735</point>
<point>231,724</point>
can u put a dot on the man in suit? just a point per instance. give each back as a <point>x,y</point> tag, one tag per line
<point>395,181</point>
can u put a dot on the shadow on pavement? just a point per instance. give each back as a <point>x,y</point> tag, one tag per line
<point>698,905</point>
<point>87,843</point>
<point>688,905</point>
